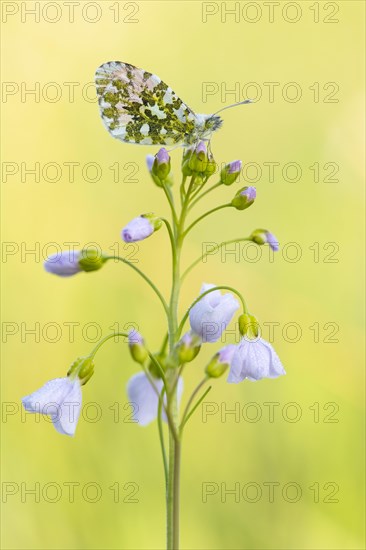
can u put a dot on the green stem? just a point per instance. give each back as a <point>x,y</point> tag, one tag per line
<point>161,438</point>
<point>171,237</point>
<point>205,216</point>
<point>219,287</point>
<point>182,190</point>
<point>145,277</point>
<point>204,194</point>
<point>186,413</point>
<point>103,340</point>
<point>169,196</point>
<point>209,252</point>
<point>173,488</point>
<point>194,408</point>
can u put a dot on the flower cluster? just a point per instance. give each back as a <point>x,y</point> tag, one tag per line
<point>157,390</point>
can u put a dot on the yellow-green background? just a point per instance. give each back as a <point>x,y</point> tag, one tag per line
<point>171,41</point>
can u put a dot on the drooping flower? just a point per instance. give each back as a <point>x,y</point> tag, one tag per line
<point>144,398</point>
<point>230,172</point>
<point>70,262</point>
<point>244,198</point>
<point>60,399</point>
<point>140,228</point>
<point>211,315</point>
<point>263,236</point>
<point>254,360</point>
<point>220,361</point>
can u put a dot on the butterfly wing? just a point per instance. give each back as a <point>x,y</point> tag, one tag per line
<point>138,107</point>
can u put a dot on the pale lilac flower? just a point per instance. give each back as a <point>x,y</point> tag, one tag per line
<point>144,398</point>
<point>63,264</point>
<point>137,230</point>
<point>254,360</point>
<point>211,315</point>
<point>61,400</point>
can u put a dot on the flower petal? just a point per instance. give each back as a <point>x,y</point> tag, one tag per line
<point>211,315</point>
<point>254,360</point>
<point>143,398</point>
<point>61,399</point>
<point>51,393</point>
<point>67,418</point>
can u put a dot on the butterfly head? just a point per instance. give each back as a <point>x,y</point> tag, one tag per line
<point>206,125</point>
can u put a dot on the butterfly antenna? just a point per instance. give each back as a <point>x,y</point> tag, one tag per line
<point>234,105</point>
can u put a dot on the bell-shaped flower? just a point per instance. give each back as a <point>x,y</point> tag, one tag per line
<point>254,360</point>
<point>144,399</point>
<point>61,400</point>
<point>140,228</point>
<point>210,316</point>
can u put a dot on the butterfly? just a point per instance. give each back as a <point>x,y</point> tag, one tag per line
<point>138,107</point>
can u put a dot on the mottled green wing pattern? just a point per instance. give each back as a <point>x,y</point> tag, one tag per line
<point>138,107</point>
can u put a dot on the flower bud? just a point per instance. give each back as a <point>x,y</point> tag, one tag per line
<point>211,166</point>
<point>198,180</point>
<point>154,369</point>
<point>83,368</point>
<point>161,165</point>
<point>71,262</point>
<point>137,347</point>
<point>262,236</point>
<point>149,162</point>
<point>141,227</point>
<point>186,171</point>
<point>91,260</point>
<point>230,172</point>
<point>199,159</point>
<point>220,362</point>
<point>248,325</point>
<point>188,347</point>
<point>244,198</point>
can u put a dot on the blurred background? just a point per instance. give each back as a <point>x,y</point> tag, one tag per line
<point>293,451</point>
